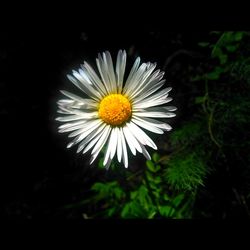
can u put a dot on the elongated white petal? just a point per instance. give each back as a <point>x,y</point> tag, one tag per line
<point>141,135</point>
<point>99,145</point>
<point>111,148</point>
<point>124,150</point>
<point>103,72</point>
<point>140,82</point>
<point>119,145</point>
<point>86,88</point>
<point>74,97</point>
<point>131,74</point>
<point>94,141</point>
<point>147,126</point>
<point>145,121</point>
<point>120,69</point>
<point>90,137</point>
<point>150,103</point>
<point>69,118</point>
<point>130,138</point>
<point>155,114</point>
<point>110,70</point>
<point>94,77</point>
<point>84,133</point>
<point>145,153</point>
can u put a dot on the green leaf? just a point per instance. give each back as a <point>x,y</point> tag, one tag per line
<point>231,48</point>
<point>149,176</point>
<point>178,199</point>
<point>100,163</point>
<point>156,157</point>
<point>200,99</point>
<point>166,211</point>
<point>150,165</point>
<point>215,75</point>
<point>238,35</point>
<point>111,211</point>
<point>223,58</point>
<point>186,171</point>
<point>119,193</point>
<point>166,197</point>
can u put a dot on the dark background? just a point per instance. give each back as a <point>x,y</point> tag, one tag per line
<point>38,175</point>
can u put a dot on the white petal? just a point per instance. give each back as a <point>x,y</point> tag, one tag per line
<point>103,72</point>
<point>163,109</point>
<point>144,121</point>
<point>88,127</point>
<point>120,68</point>
<point>146,104</point>
<point>141,135</point>
<point>135,79</point>
<point>129,142</point>
<point>114,143</point>
<point>111,148</point>
<point>152,97</point>
<point>140,82</point>
<point>150,85</point>
<point>74,97</point>
<point>96,80</point>
<point>90,137</point>
<point>107,152</point>
<point>154,114</point>
<point>124,150</point>
<point>86,88</point>
<point>84,133</point>
<point>170,108</point>
<point>119,145</point>
<point>94,141</point>
<point>132,72</point>
<point>147,126</point>
<point>99,145</point>
<point>145,92</point>
<point>130,138</point>
<point>108,163</point>
<point>145,152</point>
<point>110,70</point>
<point>69,118</point>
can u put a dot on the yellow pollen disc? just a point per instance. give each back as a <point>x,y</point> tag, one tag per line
<point>115,109</point>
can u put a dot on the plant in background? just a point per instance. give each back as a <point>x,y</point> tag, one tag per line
<point>193,171</point>
<point>114,112</point>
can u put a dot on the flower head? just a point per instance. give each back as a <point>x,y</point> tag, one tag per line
<point>112,112</point>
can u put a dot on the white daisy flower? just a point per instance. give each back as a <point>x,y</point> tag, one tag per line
<point>113,112</point>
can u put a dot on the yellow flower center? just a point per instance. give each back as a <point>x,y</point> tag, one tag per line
<point>115,109</point>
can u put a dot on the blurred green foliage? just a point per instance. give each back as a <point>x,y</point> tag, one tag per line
<point>200,146</point>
